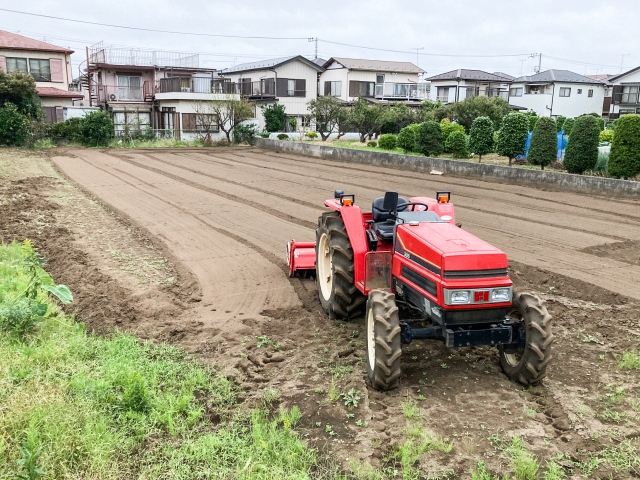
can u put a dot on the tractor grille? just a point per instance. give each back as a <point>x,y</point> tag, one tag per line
<point>424,283</point>
<point>484,315</point>
<point>459,274</point>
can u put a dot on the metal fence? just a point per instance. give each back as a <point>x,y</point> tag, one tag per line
<point>135,56</point>
<point>405,91</point>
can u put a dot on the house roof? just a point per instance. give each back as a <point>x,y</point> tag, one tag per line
<point>600,76</point>
<point>271,63</point>
<point>13,41</point>
<point>505,75</point>
<point>561,76</point>
<point>466,74</point>
<point>620,75</point>
<point>57,93</point>
<point>375,65</point>
<point>319,61</point>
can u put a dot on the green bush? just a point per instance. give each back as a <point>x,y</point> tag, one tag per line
<point>533,121</point>
<point>544,143</point>
<point>311,135</point>
<point>568,125</point>
<point>97,129</point>
<point>607,136</point>
<point>407,138</point>
<point>582,149</point>
<point>600,121</point>
<point>372,144</point>
<point>283,136</point>
<point>429,139</point>
<point>275,118</point>
<point>560,119</point>
<point>457,144</point>
<point>388,141</point>
<point>512,137</point>
<point>481,137</point>
<point>13,125</point>
<point>624,161</point>
<point>245,133</point>
<point>70,130</point>
<point>447,129</point>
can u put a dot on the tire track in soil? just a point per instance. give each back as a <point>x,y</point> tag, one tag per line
<point>604,235</point>
<point>308,301</point>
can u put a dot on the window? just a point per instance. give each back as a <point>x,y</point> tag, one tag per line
<point>535,89</point>
<point>443,94</point>
<point>333,88</point>
<point>565,92</point>
<point>168,115</point>
<point>40,69</point>
<point>291,87</point>
<point>516,91</point>
<point>132,121</point>
<point>129,87</point>
<point>17,65</point>
<point>630,94</point>
<point>306,121</point>
<point>361,89</point>
<point>207,122</point>
<point>379,78</point>
<point>590,93</point>
<point>579,91</point>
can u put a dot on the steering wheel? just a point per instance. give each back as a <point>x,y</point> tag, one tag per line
<point>413,204</point>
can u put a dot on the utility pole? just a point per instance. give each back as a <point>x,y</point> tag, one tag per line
<point>417,49</point>
<point>312,39</point>
<point>539,67</point>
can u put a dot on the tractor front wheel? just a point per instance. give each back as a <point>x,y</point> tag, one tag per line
<point>528,365</point>
<point>383,340</point>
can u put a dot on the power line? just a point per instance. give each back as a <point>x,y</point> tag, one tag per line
<point>149,29</point>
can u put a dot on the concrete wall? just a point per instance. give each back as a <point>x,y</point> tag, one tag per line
<point>518,176</point>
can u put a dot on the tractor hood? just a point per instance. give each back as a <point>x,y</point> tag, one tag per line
<point>445,247</point>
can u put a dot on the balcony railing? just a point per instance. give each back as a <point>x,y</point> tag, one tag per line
<point>405,91</point>
<point>134,56</point>
<point>196,85</point>
<point>261,88</point>
<point>119,94</point>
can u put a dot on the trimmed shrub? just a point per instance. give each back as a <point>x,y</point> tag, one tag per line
<point>447,129</point>
<point>372,144</point>
<point>607,136</point>
<point>533,121</point>
<point>512,138</point>
<point>568,125</point>
<point>275,118</point>
<point>388,141</point>
<point>429,139</point>
<point>481,137</point>
<point>457,144</point>
<point>407,137</point>
<point>560,119</point>
<point>600,122</point>
<point>311,135</point>
<point>70,130</point>
<point>624,161</point>
<point>283,136</point>
<point>13,125</point>
<point>245,133</point>
<point>582,149</point>
<point>97,129</point>
<point>544,143</point>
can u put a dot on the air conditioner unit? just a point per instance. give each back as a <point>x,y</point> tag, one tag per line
<point>112,97</point>
<point>185,89</point>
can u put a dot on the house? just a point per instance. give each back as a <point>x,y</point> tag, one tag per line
<point>165,91</point>
<point>558,92</point>
<point>289,81</point>
<point>457,85</point>
<point>374,80</point>
<point>49,65</point>
<point>625,94</point>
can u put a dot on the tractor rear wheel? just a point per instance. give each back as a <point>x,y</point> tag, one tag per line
<point>383,340</point>
<point>334,269</point>
<point>528,365</point>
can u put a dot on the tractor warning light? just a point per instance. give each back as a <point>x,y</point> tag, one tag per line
<point>347,202</point>
<point>481,296</point>
<point>443,197</point>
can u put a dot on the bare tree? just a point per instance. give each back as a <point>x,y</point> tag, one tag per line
<point>228,113</point>
<point>328,113</point>
<point>204,122</point>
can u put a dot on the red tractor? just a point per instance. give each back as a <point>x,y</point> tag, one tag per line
<point>421,277</point>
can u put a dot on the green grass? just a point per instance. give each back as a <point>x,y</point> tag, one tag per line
<point>630,361</point>
<point>157,143</point>
<point>75,405</point>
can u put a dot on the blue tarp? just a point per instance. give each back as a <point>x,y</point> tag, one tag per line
<point>562,144</point>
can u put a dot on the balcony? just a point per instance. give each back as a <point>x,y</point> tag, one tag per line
<point>107,93</point>
<point>401,91</point>
<point>143,58</point>
<point>261,88</point>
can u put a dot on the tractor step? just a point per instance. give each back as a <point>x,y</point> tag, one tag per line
<point>301,258</point>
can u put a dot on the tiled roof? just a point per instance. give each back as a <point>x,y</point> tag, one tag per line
<point>562,76</point>
<point>271,63</point>
<point>466,74</point>
<point>375,65</point>
<point>56,92</point>
<point>620,75</point>
<point>12,41</point>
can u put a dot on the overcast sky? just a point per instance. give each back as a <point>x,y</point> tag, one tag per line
<point>585,36</point>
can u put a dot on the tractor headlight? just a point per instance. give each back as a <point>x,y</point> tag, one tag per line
<point>457,297</point>
<point>501,295</point>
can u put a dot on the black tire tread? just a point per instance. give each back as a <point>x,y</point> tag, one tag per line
<point>386,373</point>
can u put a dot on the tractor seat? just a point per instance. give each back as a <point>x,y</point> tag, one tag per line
<point>383,222</point>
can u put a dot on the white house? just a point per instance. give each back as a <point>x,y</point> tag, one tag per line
<point>457,85</point>
<point>49,65</point>
<point>625,96</point>
<point>349,78</point>
<point>289,81</point>
<point>558,92</point>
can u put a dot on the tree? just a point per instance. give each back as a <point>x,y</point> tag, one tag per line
<point>367,118</point>
<point>388,141</point>
<point>97,129</point>
<point>560,122</point>
<point>568,125</point>
<point>447,129</point>
<point>458,144</point>
<point>407,138</point>
<point>466,111</point>
<point>624,161</point>
<point>231,112</point>
<point>19,89</point>
<point>512,137</point>
<point>582,149</point>
<point>429,139</point>
<point>13,125</point>
<point>275,118</point>
<point>327,113</point>
<point>481,137</point>
<point>533,119</point>
<point>207,121</point>
<point>544,143</point>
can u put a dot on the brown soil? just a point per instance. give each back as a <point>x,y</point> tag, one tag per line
<point>200,239</point>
